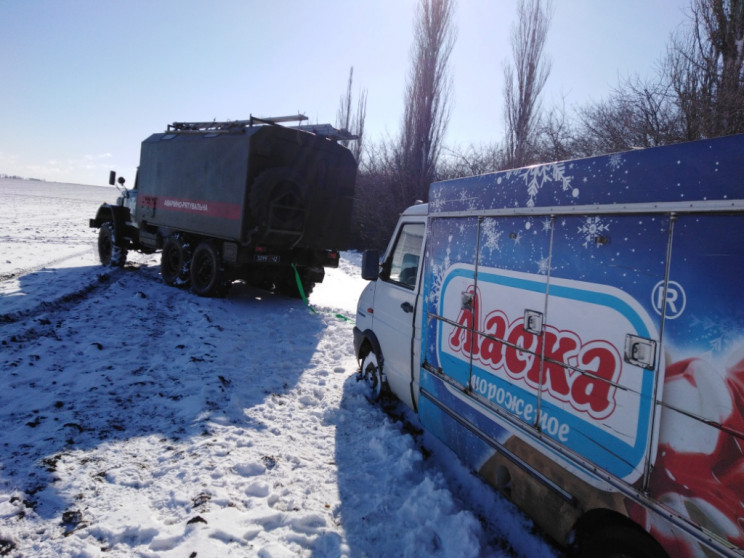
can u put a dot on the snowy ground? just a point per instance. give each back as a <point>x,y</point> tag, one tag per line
<point>140,420</point>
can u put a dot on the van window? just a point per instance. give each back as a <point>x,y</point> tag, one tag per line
<point>404,262</point>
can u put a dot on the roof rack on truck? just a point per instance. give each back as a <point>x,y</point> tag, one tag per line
<point>237,126</point>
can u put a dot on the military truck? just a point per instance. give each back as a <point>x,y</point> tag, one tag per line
<point>254,200</point>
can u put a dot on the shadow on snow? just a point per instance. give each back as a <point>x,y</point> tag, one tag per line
<point>124,356</point>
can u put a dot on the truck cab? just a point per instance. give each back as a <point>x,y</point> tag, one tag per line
<point>387,336</point>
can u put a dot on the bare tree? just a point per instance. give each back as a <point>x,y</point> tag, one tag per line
<point>524,82</point>
<point>705,66</point>
<point>428,92</point>
<point>353,121</point>
<point>556,137</point>
<point>395,173</point>
<point>377,203</point>
<point>469,161</point>
<point>638,114</point>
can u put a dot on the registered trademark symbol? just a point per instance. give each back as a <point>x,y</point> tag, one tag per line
<point>676,300</point>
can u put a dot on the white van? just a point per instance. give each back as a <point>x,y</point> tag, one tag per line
<point>575,333</point>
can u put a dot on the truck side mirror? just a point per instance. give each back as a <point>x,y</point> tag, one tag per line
<point>370,265</point>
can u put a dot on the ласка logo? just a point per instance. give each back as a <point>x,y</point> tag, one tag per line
<point>590,391</point>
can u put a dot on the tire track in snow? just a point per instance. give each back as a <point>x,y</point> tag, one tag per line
<point>46,312</point>
<point>25,271</point>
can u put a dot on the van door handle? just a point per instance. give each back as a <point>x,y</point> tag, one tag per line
<point>407,307</point>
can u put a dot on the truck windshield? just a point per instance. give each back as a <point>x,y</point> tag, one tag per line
<point>406,254</point>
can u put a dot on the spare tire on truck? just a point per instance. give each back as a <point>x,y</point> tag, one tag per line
<point>278,199</point>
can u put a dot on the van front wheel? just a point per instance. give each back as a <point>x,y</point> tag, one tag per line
<point>371,374</point>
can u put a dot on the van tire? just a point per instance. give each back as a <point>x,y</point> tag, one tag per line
<point>371,374</point>
<point>619,541</point>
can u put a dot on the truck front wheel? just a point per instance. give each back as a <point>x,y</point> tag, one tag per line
<point>108,252</point>
<point>207,273</point>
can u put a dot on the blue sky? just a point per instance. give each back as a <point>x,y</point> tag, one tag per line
<point>83,82</point>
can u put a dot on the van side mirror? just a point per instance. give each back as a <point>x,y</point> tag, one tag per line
<point>370,265</point>
<point>112,178</point>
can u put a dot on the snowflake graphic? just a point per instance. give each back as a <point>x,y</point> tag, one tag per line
<point>437,273</point>
<point>591,228</point>
<point>490,236</point>
<point>536,177</point>
<point>543,266</point>
<point>616,161</point>
<point>720,332</point>
<point>436,202</point>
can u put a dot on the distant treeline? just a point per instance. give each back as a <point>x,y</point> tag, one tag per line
<point>2,175</point>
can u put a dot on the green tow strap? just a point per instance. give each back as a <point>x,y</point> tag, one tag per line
<point>302,289</point>
<point>304,296</point>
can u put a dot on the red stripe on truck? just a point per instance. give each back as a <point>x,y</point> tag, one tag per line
<point>202,207</point>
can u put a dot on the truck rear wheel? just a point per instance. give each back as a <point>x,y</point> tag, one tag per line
<point>108,252</point>
<point>207,273</point>
<point>175,261</point>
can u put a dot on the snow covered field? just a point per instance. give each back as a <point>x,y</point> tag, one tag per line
<point>141,420</point>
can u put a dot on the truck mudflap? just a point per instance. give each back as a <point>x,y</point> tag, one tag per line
<point>117,214</point>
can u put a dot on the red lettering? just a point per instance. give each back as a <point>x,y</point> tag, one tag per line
<point>461,339</point>
<point>594,393</point>
<point>492,351</point>
<point>507,347</point>
<point>519,361</point>
<point>558,349</point>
